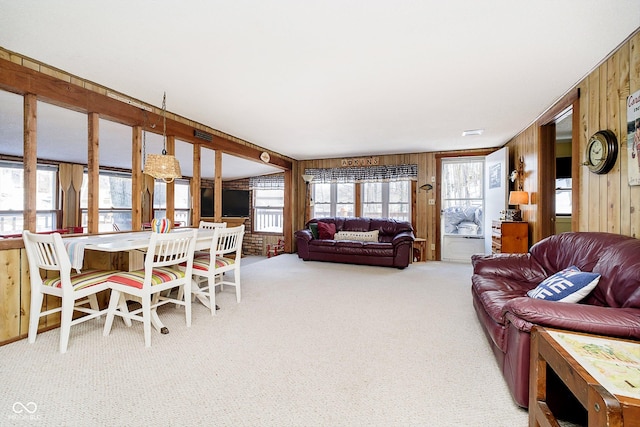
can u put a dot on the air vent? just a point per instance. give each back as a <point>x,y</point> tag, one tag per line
<point>202,135</point>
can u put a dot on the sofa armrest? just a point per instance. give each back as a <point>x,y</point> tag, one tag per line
<point>304,234</point>
<point>620,322</point>
<point>518,267</point>
<point>404,236</point>
<point>303,237</point>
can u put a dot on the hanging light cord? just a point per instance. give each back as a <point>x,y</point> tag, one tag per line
<point>164,123</point>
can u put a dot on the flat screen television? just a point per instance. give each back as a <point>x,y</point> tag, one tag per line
<point>235,202</point>
<point>206,202</point>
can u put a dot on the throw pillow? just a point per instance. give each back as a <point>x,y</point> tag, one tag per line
<point>314,229</point>
<point>326,230</point>
<point>360,236</point>
<point>568,285</point>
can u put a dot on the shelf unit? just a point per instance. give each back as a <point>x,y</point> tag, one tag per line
<point>509,237</point>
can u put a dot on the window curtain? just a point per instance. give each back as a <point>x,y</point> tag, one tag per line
<point>70,176</point>
<point>364,174</point>
<point>267,182</point>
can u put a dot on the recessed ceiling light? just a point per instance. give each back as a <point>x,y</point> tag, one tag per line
<point>472,132</point>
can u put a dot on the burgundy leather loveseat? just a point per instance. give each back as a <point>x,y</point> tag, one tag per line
<point>391,248</point>
<point>507,314</point>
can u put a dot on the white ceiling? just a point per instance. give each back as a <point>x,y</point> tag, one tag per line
<point>332,78</point>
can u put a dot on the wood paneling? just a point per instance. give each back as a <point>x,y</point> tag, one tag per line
<point>602,202</point>
<point>10,316</point>
<point>427,216</point>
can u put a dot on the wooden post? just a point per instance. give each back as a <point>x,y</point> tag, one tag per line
<point>171,187</point>
<point>136,178</point>
<point>195,185</point>
<point>217,188</point>
<point>30,160</point>
<point>287,211</point>
<point>93,166</point>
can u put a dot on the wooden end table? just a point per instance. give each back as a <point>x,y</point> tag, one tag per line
<point>419,251</point>
<point>613,399</point>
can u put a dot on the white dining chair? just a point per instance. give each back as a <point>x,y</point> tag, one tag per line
<point>160,273</point>
<point>224,256</point>
<point>205,225</point>
<point>46,252</point>
<point>211,225</point>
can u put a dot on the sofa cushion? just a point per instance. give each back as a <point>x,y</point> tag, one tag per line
<point>620,282</point>
<point>361,236</point>
<point>568,285</point>
<point>356,224</point>
<point>390,227</point>
<point>586,249</point>
<point>313,227</point>
<point>326,230</point>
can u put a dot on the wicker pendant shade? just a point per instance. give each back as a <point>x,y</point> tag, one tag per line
<point>162,166</point>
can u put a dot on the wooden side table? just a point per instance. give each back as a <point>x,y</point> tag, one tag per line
<point>419,252</point>
<point>602,406</point>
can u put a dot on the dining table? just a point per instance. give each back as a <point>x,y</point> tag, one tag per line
<point>136,244</point>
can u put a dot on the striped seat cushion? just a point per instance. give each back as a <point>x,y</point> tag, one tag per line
<point>82,280</point>
<point>202,263</point>
<point>201,254</point>
<point>135,279</point>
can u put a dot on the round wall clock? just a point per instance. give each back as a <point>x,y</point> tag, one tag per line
<point>265,157</point>
<point>601,152</point>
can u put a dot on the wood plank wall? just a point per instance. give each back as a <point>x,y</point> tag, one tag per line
<point>426,215</point>
<point>605,202</point>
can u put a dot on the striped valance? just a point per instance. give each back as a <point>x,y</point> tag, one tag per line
<point>267,182</point>
<point>364,174</point>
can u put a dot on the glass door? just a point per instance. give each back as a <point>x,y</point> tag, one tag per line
<point>462,204</point>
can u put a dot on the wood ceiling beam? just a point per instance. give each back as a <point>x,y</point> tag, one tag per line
<point>22,80</point>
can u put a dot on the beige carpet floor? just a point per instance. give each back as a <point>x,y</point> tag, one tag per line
<point>311,344</point>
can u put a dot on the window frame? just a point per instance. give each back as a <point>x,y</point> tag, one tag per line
<point>180,215</point>
<point>274,212</point>
<point>386,199</point>
<point>48,215</point>
<point>107,212</point>
<point>333,199</point>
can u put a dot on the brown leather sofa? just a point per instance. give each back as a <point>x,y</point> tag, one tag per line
<point>392,248</point>
<point>500,284</point>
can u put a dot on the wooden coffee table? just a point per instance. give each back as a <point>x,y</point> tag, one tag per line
<point>612,398</point>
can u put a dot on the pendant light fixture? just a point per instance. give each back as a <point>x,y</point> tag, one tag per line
<point>163,166</point>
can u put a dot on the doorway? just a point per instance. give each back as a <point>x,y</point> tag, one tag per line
<point>563,201</point>
<point>462,206</point>
<point>558,138</point>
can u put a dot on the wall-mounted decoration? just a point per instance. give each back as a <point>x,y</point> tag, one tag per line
<point>495,176</point>
<point>633,137</point>
<point>601,152</point>
<point>361,161</point>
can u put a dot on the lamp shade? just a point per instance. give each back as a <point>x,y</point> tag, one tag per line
<point>307,178</point>
<point>518,198</point>
<point>162,166</point>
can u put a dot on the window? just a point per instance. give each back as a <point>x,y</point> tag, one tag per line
<point>463,195</point>
<point>333,199</point>
<point>387,199</point>
<point>182,198</point>
<point>383,191</point>
<point>268,205</point>
<point>12,198</point>
<point>563,196</point>
<point>114,201</point>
